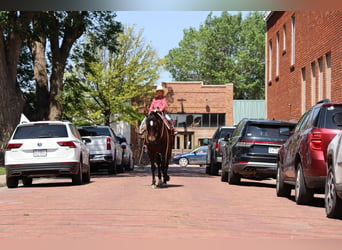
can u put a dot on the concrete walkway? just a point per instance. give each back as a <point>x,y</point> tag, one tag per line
<point>2,180</point>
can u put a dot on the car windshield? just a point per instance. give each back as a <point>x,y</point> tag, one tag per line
<point>91,131</point>
<point>40,131</point>
<point>269,131</point>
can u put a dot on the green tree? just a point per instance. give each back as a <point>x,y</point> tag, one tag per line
<point>103,83</point>
<point>14,26</point>
<point>225,49</point>
<point>44,40</point>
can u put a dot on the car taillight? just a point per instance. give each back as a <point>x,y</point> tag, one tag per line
<point>13,146</point>
<point>316,141</point>
<point>217,147</point>
<point>109,146</point>
<point>69,144</point>
<point>123,146</point>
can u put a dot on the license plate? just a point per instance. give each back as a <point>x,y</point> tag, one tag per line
<point>39,153</point>
<point>273,150</point>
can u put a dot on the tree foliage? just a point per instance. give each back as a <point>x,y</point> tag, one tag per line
<point>225,49</point>
<point>102,82</point>
<point>37,45</point>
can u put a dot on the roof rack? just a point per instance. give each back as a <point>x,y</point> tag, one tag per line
<point>323,101</point>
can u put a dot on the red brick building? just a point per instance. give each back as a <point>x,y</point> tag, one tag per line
<point>198,110</point>
<point>303,61</point>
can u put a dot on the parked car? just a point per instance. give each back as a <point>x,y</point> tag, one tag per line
<point>127,154</point>
<point>216,143</point>
<point>197,156</point>
<point>333,183</point>
<point>105,149</point>
<point>302,159</point>
<point>46,149</point>
<point>252,150</point>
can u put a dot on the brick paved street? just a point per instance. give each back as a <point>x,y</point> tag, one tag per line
<point>193,206</point>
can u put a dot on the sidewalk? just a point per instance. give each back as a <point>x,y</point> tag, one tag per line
<point>2,180</point>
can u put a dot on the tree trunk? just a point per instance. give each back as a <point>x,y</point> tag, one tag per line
<point>11,98</point>
<point>41,78</point>
<point>60,54</point>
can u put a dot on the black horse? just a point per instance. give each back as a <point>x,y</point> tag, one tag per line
<point>159,140</point>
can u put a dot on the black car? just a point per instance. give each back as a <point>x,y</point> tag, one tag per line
<point>217,142</point>
<point>251,152</point>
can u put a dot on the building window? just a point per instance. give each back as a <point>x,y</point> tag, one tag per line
<point>313,83</point>
<point>293,39</point>
<point>284,39</point>
<point>270,61</point>
<point>199,120</point>
<point>303,90</point>
<point>328,75</point>
<point>320,78</point>
<point>277,55</point>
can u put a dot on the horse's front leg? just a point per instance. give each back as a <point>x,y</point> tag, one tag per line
<point>153,169</point>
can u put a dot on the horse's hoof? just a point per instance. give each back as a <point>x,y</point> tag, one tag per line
<point>167,178</point>
<point>153,186</point>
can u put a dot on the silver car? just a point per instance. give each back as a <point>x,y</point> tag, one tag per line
<point>333,183</point>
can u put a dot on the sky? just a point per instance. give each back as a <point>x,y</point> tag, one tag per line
<point>164,29</point>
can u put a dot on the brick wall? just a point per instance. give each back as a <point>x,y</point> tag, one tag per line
<point>318,52</point>
<point>198,97</point>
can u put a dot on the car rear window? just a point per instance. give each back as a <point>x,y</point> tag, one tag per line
<point>333,117</point>
<point>92,131</point>
<point>225,132</point>
<point>269,131</point>
<point>40,131</point>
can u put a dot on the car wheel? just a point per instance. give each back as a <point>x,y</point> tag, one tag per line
<point>282,189</point>
<point>77,178</point>
<point>112,168</point>
<point>303,195</point>
<point>27,181</point>
<point>224,176</point>
<point>333,203</point>
<point>183,162</point>
<point>233,178</point>
<point>86,176</point>
<point>12,182</point>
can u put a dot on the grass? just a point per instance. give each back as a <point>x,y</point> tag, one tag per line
<point>2,170</point>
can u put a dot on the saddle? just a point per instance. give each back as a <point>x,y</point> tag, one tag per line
<point>161,115</point>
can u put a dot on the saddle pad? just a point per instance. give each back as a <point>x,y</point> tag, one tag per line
<point>164,120</point>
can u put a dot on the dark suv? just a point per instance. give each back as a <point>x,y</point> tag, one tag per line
<point>302,159</point>
<point>251,153</point>
<point>217,142</point>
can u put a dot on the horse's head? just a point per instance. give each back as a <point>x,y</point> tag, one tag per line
<point>154,126</point>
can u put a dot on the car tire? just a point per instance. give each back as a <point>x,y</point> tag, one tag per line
<point>333,203</point>
<point>12,182</point>
<point>86,176</point>
<point>27,181</point>
<point>233,178</point>
<point>282,189</point>
<point>183,162</point>
<point>224,176</point>
<point>303,195</point>
<point>112,168</point>
<point>77,178</point>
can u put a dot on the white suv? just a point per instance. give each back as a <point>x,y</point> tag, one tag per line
<point>46,149</point>
<point>333,183</point>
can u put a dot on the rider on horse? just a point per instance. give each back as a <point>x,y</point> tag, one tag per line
<point>159,103</point>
